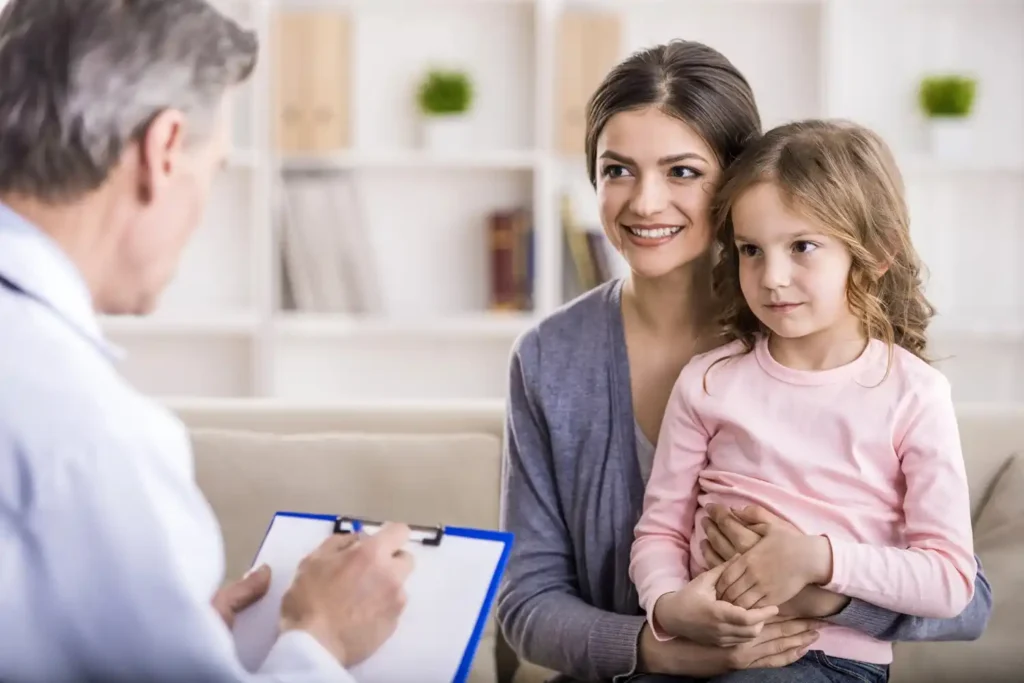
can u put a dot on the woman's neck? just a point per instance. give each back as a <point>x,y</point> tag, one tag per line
<point>673,305</point>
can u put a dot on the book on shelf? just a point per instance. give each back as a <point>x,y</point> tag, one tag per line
<point>590,257</point>
<point>328,262</point>
<point>511,249</point>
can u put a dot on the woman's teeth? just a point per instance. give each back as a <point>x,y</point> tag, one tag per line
<point>655,233</point>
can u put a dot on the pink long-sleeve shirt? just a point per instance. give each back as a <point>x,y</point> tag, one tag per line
<point>873,464</point>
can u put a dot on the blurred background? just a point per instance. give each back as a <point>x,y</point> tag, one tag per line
<point>407,192</point>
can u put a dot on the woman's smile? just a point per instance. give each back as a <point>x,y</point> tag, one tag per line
<point>651,235</point>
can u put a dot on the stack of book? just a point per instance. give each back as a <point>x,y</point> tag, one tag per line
<point>511,251</point>
<point>591,258</point>
<point>328,262</point>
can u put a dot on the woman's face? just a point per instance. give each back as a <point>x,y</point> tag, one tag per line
<point>655,181</point>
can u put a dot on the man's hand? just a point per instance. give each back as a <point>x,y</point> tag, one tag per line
<point>349,592</point>
<point>230,600</point>
<point>696,613</point>
<point>731,532</point>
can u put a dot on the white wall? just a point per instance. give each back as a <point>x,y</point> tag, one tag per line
<point>218,331</point>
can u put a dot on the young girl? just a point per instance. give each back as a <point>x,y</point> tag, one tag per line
<point>821,408</point>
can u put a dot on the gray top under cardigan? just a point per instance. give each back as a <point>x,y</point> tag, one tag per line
<point>573,491</point>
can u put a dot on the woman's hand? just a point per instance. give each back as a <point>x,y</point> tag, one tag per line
<point>779,644</point>
<point>696,613</point>
<point>734,532</point>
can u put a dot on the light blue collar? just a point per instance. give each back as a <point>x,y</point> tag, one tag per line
<point>33,264</point>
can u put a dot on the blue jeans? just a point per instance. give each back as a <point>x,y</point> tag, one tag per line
<point>814,667</point>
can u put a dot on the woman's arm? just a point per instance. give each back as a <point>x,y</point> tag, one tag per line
<point>539,607</point>
<point>884,624</point>
<point>733,532</point>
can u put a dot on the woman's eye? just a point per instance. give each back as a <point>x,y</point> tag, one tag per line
<point>804,247</point>
<point>683,172</point>
<point>615,171</point>
<point>748,250</point>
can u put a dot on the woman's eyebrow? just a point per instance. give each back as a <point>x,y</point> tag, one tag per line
<point>663,161</point>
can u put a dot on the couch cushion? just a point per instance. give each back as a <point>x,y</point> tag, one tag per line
<point>423,479</point>
<point>283,416</point>
<point>997,655</point>
<point>989,435</point>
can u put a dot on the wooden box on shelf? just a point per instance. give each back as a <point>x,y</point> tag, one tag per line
<point>312,78</point>
<point>589,45</point>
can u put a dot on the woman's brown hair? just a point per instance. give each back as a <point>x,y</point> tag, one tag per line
<point>688,80</point>
<point>843,177</point>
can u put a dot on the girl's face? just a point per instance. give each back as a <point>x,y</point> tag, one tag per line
<point>655,181</point>
<point>792,272</point>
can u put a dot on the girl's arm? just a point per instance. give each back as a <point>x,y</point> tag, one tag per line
<point>660,556</point>
<point>934,575</point>
<point>539,606</point>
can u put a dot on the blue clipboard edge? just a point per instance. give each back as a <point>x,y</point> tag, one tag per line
<point>504,537</point>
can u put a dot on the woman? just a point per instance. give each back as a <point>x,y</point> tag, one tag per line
<point>589,384</point>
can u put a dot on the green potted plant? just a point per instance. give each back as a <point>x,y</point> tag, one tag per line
<point>445,97</point>
<point>947,101</point>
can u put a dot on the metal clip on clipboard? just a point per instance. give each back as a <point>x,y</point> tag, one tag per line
<point>427,535</point>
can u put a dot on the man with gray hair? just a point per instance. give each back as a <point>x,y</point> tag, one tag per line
<point>113,122</point>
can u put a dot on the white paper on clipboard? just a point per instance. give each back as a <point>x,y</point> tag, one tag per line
<point>450,594</point>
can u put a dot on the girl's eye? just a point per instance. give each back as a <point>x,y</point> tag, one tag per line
<point>748,250</point>
<point>683,172</point>
<point>804,247</point>
<point>615,171</point>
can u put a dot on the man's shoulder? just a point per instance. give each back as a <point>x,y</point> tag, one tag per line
<point>64,405</point>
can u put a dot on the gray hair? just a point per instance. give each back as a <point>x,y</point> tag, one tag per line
<point>80,80</point>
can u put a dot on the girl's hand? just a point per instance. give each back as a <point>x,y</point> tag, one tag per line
<point>776,569</point>
<point>734,532</point>
<point>696,613</point>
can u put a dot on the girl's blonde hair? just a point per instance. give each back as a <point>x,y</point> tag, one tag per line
<point>843,177</point>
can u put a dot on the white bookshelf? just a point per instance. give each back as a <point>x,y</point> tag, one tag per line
<point>220,332</point>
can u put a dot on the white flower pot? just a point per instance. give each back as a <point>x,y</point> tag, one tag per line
<point>950,137</point>
<point>446,132</point>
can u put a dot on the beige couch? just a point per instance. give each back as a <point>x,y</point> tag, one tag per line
<point>442,463</point>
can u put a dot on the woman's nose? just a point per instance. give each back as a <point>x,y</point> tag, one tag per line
<point>650,198</point>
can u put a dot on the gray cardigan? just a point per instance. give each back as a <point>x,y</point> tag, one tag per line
<point>573,492</point>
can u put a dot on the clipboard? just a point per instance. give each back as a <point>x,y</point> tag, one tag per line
<point>450,595</point>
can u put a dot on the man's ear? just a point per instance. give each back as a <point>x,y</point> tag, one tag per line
<point>160,152</point>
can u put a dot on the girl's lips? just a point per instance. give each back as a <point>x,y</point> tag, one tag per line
<point>782,308</point>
